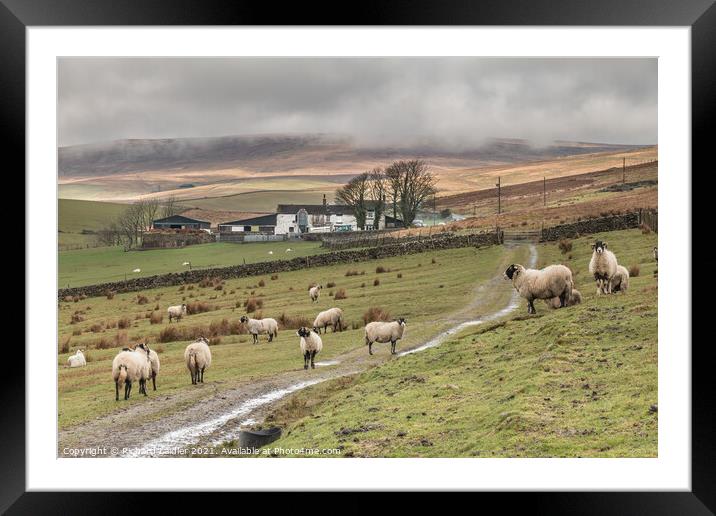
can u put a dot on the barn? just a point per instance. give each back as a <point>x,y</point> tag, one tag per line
<point>180,222</point>
<point>265,225</point>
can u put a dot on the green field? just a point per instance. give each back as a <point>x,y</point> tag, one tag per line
<point>86,393</point>
<point>574,382</point>
<point>75,216</point>
<point>103,264</point>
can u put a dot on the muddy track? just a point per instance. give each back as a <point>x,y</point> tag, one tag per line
<point>214,414</point>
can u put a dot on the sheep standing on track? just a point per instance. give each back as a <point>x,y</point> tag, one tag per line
<point>574,299</point>
<point>176,312</point>
<point>197,356</point>
<point>603,266</point>
<point>331,317</point>
<point>77,360</point>
<point>620,280</point>
<point>379,331</point>
<point>315,293</point>
<point>153,362</point>
<point>258,326</point>
<point>552,281</point>
<point>311,344</point>
<point>129,367</point>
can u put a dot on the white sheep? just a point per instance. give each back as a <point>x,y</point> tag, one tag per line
<point>574,299</point>
<point>315,292</point>
<point>129,367</point>
<point>602,266</point>
<point>552,281</point>
<point>77,360</point>
<point>620,280</point>
<point>257,327</point>
<point>137,270</point>
<point>379,331</point>
<point>153,362</point>
<point>311,344</point>
<point>176,312</point>
<point>331,317</point>
<point>197,356</point>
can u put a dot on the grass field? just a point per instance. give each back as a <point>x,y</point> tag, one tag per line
<point>449,276</point>
<point>75,216</point>
<point>575,382</point>
<point>103,264</point>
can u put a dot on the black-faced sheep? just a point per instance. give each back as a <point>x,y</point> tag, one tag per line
<point>315,292</point>
<point>176,312</point>
<point>656,255</point>
<point>379,331</point>
<point>257,327</point>
<point>311,344</point>
<point>153,361</point>
<point>197,356</point>
<point>603,266</point>
<point>331,317</point>
<point>552,281</point>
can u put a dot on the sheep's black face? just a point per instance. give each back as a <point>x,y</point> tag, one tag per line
<point>244,319</point>
<point>510,272</point>
<point>599,246</point>
<point>303,332</point>
<point>401,321</point>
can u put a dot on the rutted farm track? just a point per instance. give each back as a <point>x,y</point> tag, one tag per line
<point>210,414</point>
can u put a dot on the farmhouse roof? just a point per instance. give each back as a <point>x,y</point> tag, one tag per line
<point>263,220</point>
<point>180,219</point>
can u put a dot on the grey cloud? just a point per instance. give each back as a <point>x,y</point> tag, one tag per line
<point>377,101</point>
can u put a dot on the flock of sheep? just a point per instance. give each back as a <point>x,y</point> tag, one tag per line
<point>139,364</point>
<point>555,285</point>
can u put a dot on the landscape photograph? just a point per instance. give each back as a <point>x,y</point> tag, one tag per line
<point>367,257</point>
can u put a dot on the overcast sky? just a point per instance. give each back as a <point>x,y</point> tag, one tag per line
<point>389,101</point>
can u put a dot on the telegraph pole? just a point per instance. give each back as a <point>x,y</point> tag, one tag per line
<point>499,207</point>
<point>544,189</point>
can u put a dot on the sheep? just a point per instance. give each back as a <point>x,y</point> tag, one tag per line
<point>656,255</point>
<point>137,270</point>
<point>176,312</point>
<point>311,345</point>
<point>379,331</point>
<point>574,299</point>
<point>315,293</point>
<point>129,367</point>
<point>552,281</point>
<point>153,362</point>
<point>331,317</point>
<point>77,360</point>
<point>197,356</point>
<point>602,266</point>
<point>620,280</point>
<point>258,326</point>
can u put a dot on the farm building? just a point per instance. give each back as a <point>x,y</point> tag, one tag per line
<point>330,217</point>
<point>265,224</point>
<point>180,222</point>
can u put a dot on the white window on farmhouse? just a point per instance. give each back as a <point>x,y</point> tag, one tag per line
<point>370,214</point>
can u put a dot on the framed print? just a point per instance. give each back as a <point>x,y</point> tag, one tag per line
<point>415,250</point>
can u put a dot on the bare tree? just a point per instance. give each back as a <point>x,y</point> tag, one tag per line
<point>170,207</point>
<point>411,184</point>
<point>378,193</point>
<point>355,194</point>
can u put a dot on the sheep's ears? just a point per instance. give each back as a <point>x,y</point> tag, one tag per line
<point>604,245</point>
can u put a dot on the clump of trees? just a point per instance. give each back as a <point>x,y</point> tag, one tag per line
<point>403,185</point>
<point>129,227</point>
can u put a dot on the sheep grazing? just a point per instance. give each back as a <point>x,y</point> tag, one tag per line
<point>574,299</point>
<point>379,331</point>
<point>331,317</point>
<point>176,312</point>
<point>197,356</point>
<point>620,280</point>
<point>603,266</point>
<point>258,326</point>
<point>656,255</point>
<point>552,281</point>
<point>311,344</point>
<point>129,367</point>
<point>315,293</point>
<point>153,362</point>
<point>77,360</point>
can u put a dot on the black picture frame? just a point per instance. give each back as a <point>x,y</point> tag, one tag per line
<point>700,15</point>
